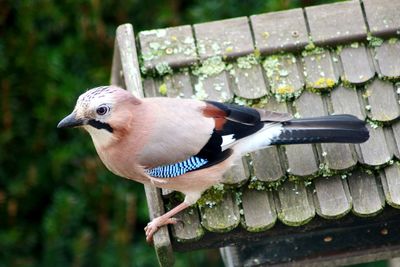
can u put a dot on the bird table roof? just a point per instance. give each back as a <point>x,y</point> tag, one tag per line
<point>327,59</point>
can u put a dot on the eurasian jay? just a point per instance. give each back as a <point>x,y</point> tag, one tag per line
<point>186,144</point>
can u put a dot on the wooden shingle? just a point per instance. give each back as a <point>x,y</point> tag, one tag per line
<point>382,16</point>
<point>336,23</point>
<point>357,64</point>
<point>388,57</point>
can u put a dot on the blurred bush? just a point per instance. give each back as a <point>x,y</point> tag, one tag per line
<point>58,204</point>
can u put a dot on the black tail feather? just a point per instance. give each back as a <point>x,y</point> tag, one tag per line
<point>325,129</point>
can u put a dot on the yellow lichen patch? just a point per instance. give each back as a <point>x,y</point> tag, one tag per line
<point>229,49</point>
<point>285,89</point>
<point>265,35</point>
<point>324,83</point>
<point>163,89</point>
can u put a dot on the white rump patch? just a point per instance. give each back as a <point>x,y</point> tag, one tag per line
<point>227,140</point>
<point>260,139</point>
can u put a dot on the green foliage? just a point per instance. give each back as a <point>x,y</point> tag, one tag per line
<point>58,205</point>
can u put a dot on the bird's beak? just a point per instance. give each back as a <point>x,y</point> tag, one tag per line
<point>70,121</point>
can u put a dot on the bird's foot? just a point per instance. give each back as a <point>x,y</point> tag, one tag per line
<point>155,224</point>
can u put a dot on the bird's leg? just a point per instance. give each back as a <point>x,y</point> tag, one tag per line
<point>162,220</point>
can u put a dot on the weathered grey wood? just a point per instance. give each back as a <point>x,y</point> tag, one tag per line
<point>150,88</point>
<point>345,101</point>
<point>280,31</point>
<point>189,228</point>
<point>396,134</point>
<point>179,85</point>
<point>248,80</point>
<point>338,156</point>
<point>129,59</point>
<point>230,256</point>
<point>174,47</point>
<point>332,199</point>
<point>367,200</point>
<point>319,70</point>
<point>266,164</point>
<point>383,101</point>
<point>382,16</point>
<point>388,57</point>
<point>301,158</point>
<point>226,38</point>
<point>238,174</point>
<point>116,68</point>
<point>357,65</point>
<point>390,178</point>
<point>213,87</point>
<point>161,240</point>
<point>374,152</point>
<point>294,204</point>
<point>222,217</point>
<point>258,210</point>
<point>284,76</point>
<point>336,23</point>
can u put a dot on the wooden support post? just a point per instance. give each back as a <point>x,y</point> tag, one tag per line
<point>126,73</point>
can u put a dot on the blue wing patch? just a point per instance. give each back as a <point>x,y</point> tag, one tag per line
<point>176,169</point>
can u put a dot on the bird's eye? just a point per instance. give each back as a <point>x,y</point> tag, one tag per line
<point>102,110</point>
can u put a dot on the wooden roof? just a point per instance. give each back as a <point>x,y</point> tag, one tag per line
<point>335,58</point>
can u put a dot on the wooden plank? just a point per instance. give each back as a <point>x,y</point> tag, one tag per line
<point>189,228</point>
<point>336,23</point>
<point>332,199</point>
<point>294,204</point>
<point>284,76</point>
<point>375,151</point>
<point>382,16</point>
<point>320,70</point>
<point>238,173</point>
<point>357,64</point>
<point>117,77</point>
<point>266,165</point>
<point>367,199</point>
<point>150,87</point>
<point>248,79</point>
<point>258,210</point>
<point>280,31</point>
<point>129,59</point>
<point>301,158</point>
<point>390,178</point>
<point>222,217</point>
<point>179,85</point>
<point>345,101</point>
<point>387,56</point>
<point>230,256</point>
<point>226,38</point>
<point>173,47</point>
<point>382,100</point>
<point>214,87</point>
<point>396,134</point>
<point>338,156</point>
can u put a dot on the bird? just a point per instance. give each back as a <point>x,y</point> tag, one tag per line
<point>187,145</point>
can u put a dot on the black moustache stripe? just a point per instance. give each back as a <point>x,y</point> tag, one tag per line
<point>100,125</point>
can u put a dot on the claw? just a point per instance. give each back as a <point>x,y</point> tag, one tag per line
<point>153,226</point>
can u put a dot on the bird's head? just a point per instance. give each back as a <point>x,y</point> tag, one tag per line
<point>100,111</point>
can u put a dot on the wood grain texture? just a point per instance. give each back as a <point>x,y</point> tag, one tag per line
<point>173,46</point>
<point>382,99</point>
<point>388,57</point>
<point>294,204</point>
<point>374,152</point>
<point>226,38</point>
<point>357,64</point>
<point>248,82</point>
<point>390,177</point>
<point>332,198</point>
<point>320,70</point>
<point>238,174</point>
<point>396,134</point>
<point>336,23</point>
<point>189,228</point>
<point>259,212</point>
<point>266,165</point>
<point>345,101</point>
<point>382,16</point>
<point>216,87</point>
<point>338,156</point>
<point>280,31</point>
<point>179,85</point>
<point>367,198</point>
<point>222,217</point>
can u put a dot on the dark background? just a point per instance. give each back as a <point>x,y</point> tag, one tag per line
<point>59,206</point>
